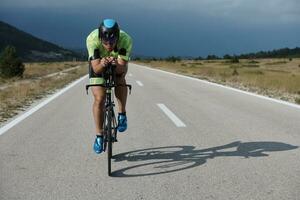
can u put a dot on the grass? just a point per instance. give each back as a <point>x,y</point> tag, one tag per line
<point>253,62</point>
<point>277,62</point>
<point>250,65</point>
<point>278,77</point>
<point>20,93</point>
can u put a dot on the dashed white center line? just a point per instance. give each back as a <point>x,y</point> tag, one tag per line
<point>140,83</point>
<point>171,115</point>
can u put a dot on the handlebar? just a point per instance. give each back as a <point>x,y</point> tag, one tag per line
<point>104,85</point>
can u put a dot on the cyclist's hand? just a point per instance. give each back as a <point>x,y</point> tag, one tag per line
<point>104,62</point>
<point>112,60</point>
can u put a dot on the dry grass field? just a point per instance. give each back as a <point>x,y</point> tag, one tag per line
<point>39,79</point>
<point>277,78</point>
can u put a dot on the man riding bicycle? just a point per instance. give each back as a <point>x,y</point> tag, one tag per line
<point>108,45</point>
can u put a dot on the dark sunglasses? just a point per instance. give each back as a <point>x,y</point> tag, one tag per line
<point>110,41</point>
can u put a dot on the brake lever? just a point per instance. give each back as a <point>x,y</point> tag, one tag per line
<point>129,86</point>
<point>87,89</point>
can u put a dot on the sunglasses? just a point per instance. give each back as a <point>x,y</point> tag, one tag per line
<point>110,41</point>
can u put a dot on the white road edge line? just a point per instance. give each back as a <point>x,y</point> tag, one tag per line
<point>140,83</point>
<point>171,115</point>
<point>226,87</point>
<point>36,108</point>
<point>130,74</point>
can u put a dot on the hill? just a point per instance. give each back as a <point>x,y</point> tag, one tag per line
<point>31,48</point>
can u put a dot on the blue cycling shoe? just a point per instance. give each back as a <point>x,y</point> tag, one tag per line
<point>98,145</point>
<point>122,123</point>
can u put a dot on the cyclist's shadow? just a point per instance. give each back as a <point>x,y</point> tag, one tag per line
<point>160,160</point>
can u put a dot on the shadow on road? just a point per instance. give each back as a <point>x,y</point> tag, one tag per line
<point>160,160</point>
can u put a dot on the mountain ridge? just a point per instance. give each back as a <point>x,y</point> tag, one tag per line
<point>32,48</point>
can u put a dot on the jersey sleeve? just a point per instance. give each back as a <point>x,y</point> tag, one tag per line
<point>92,47</point>
<point>127,45</point>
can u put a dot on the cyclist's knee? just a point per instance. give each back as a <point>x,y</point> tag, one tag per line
<point>99,100</point>
<point>99,96</point>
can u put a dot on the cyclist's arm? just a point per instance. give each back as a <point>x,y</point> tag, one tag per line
<point>99,65</point>
<point>124,56</point>
<point>121,66</point>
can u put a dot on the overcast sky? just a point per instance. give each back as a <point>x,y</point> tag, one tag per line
<point>165,27</point>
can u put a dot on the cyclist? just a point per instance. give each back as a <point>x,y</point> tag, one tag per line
<point>108,45</point>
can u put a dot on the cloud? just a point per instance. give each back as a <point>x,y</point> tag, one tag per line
<point>244,11</point>
<point>241,11</point>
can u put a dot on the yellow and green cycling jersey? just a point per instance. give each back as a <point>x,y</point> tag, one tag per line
<point>122,50</point>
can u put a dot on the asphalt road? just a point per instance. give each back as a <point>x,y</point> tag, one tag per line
<point>214,143</point>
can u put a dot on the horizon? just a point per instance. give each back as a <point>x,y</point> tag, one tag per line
<point>190,29</point>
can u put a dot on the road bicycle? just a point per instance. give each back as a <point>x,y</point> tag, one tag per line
<point>109,122</point>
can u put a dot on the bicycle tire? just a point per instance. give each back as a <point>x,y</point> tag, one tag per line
<point>109,141</point>
<point>105,131</point>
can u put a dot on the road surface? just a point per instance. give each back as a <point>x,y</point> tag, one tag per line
<point>186,139</point>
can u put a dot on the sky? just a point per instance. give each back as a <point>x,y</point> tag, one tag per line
<point>164,27</point>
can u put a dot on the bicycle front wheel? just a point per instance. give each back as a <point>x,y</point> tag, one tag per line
<point>109,141</point>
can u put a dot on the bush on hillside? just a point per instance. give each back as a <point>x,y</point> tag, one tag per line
<point>10,64</point>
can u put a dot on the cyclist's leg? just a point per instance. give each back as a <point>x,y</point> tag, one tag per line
<point>99,99</point>
<point>121,91</point>
<point>98,107</point>
<point>121,95</point>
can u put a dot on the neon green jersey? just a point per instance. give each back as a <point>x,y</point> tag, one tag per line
<point>93,42</point>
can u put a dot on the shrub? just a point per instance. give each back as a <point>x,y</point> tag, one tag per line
<point>10,64</point>
<point>253,62</point>
<point>198,58</point>
<point>212,57</point>
<point>227,56</point>
<point>297,100</point>
<point>173,59</point>
<point>234,60</point>
<point>235,72</point>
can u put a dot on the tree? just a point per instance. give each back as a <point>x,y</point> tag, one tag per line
<point>234,59</point>
<point>227,56</point>
<point>212,57</point>
<point>198,58</point>
<point>173,59</point>
<point>10,64</point>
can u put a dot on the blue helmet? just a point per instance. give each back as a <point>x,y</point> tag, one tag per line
<point>109,31</point>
